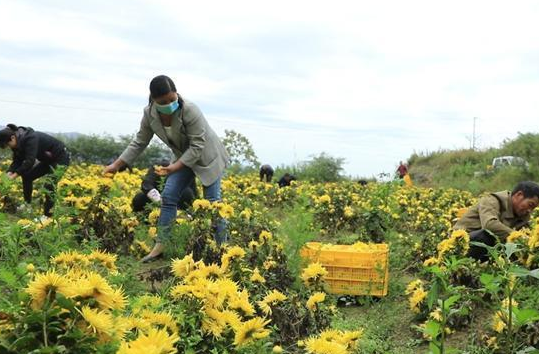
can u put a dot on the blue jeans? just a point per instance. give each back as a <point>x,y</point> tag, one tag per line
<point>175,184</point>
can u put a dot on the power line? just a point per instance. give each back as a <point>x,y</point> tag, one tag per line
<point>222,120</point>
<point>68,107</point>
<point>322,130</point>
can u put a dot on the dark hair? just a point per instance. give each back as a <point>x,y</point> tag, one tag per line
<point>528,188</point>
<point>6,134</point>
<point>161,85</point>
<point>160,162</point>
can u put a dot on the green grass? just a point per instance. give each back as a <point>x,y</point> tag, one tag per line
<point>295,230</point>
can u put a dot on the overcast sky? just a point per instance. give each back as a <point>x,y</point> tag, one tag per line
<point>370,81</point>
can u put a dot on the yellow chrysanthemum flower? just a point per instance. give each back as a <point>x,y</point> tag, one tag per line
<point>324,199</point>
<point>182,267</point>
<point>30,268</point>
<point>315,299</point>
<point>241,303</point>
<point>277,349</point>
<point>71,259</point>
<point>265,236</point>
<point>313,273</point>
<point>272,298</point>
<point>516,235</point>
<point>416,298</point>
<point>348,212</point>
<point>256,277</point>
<point>232,253</point>
<point>47,283</point>
<point>146,302</point>
<point>436,314</point>
<point>246,332</point>
<point>99,321</point>
<point>226,211</point>
<point>413,285</point>
<point>162,319</point>
<point>321,346</point>
<point>156,341</point>
<point>108,260</point>
<point>431,261</point>
<point>201,204</point>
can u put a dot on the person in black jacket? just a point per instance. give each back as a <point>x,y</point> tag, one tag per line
<point>286,180</point>
<point>29,146</point>
<point>266,171</point>
<point>151,186</point>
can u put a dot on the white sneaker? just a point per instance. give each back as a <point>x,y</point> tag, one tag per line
<point>154,196</point>
<point>24,208</point>
<point>41,219</point>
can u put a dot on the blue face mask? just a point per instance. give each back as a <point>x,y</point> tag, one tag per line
<point>167,108</point>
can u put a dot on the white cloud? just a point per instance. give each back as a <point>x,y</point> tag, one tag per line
<point>369,81</point>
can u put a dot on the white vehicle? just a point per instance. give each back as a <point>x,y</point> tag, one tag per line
<point>503,161</point>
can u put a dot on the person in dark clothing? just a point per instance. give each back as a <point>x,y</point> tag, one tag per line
<point>266,171</point>
<point>29,146</point>
<point>402,170</point>
<point>286,179</point>
<point>363,182</point>
<point>151,186</point>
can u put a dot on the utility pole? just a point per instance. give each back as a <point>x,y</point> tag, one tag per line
<point>473,134</point>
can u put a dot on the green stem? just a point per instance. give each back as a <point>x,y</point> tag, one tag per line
<point>45,340</point>
<point>442,341</point>
<point>510,321</point>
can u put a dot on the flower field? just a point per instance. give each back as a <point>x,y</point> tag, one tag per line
<point>73,283</point>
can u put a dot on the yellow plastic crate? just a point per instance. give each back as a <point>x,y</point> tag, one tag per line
<point>352,270</point>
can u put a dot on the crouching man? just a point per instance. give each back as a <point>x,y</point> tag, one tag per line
<point>500,214</point>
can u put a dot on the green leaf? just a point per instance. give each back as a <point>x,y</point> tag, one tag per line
<point>510,248</point>
<point>433,294</point>
<point>432,328</point>
<point>486,279</point>
<point>525,316</point>
<point>519,271</point>
<point>449,302</point>
<point>65,302</point>
<point>24,341</point>
<point>481,244</point>
<point>490,282</point>
<point>535,273</point>
<point>433,348</point>
<point>8,277</point>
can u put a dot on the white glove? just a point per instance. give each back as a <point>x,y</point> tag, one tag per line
<point>154,196</point>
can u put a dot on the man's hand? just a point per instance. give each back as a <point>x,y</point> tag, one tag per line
<point>12,175</point>
<point>164,171</point>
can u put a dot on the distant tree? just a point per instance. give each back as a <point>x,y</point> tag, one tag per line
<point>103,149</point>
<point>525,145</point>
<point>241,151</point>
<point>322,168</point>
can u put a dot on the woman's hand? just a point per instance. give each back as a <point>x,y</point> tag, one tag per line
<point>113,167</point>
<point>164,171</point>
<point>12,175</point>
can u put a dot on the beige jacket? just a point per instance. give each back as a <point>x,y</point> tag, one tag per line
<point>193,142</point>
<point>494,212</point>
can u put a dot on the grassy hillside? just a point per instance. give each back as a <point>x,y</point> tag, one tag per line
<point>471,169</point>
